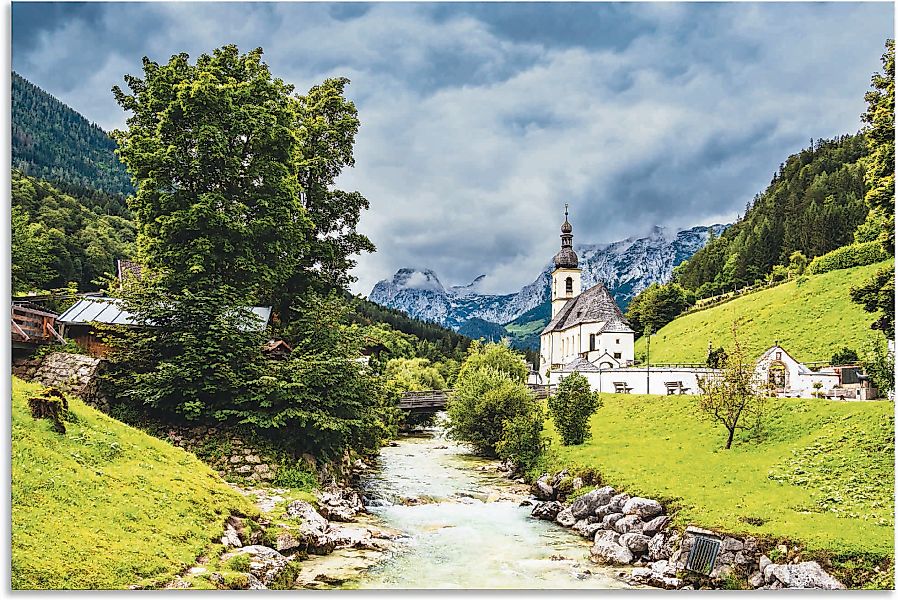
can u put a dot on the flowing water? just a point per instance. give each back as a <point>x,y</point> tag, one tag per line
<point>460,526</point>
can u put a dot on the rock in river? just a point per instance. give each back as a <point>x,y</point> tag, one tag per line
<point>547,511</point>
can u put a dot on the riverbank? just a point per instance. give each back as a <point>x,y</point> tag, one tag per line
<point>818,481</point>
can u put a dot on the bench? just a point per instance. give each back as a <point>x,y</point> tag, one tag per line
<point>621,387</point>
<point>675,387</point>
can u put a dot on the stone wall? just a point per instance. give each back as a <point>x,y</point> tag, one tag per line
<point>72,373</point>
<point>226,452</point>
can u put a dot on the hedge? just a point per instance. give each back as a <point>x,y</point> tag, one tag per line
<point>854,255</point>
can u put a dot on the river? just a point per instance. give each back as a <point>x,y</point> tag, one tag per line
<point>458,525</point>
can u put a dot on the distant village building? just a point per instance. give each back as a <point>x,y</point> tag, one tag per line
<point>587,330</point>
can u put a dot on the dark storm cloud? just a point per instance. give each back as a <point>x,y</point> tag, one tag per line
<point>479,121</point>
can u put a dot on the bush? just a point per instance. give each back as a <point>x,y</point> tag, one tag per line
<point>844,356</point>
<point>484,399</point>
<point>853,255</point>
<point>522,440</point>
<point>571,406</point>
<point>295,476</point>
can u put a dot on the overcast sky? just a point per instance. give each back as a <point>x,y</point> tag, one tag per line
<point>479,121</point>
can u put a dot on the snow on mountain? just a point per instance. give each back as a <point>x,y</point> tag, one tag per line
<point>625,267</point>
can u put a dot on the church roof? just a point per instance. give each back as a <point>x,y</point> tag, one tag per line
<point>580,365</point>
<point>594,305</point>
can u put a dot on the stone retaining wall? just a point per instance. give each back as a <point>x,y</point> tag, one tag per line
<point>72,373</point>
<point>225,451</point>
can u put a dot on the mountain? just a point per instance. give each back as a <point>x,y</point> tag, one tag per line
<point>625,267</point>
<point>53,142</point>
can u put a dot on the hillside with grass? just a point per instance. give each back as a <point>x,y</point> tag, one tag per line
<point>811,317</point>
<point>820,474</point>
<point>105,505</point>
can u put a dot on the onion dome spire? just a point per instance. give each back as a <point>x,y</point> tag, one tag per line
<point>566,257</point>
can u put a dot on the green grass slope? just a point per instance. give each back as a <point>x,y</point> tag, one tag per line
<point>105,505</point>
<point>821,474</point>
<point>811,319</point>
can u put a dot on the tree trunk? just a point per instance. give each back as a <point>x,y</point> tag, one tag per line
<point>730,439</point>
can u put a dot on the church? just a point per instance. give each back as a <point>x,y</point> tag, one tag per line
<point>588,332</point>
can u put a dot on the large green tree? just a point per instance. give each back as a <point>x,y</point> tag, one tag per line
<point>880,134</point>
<point>877,295</point>
<point>211,147</point>
<point>326,126</point>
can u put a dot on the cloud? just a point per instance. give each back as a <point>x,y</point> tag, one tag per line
<point>479,121</point>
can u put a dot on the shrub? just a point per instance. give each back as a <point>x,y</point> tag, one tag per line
<point>571,406</point>
<point>484,399</point>
<point>238,562</point>
<point>853,255</point>
<point>844,356</point>
<point>522,441</point>
<point>295,476</point>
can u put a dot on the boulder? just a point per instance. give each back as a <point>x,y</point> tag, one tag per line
<point>604,510</point>
<point>655,525</point>
<point>635,542</point>
<point>640,576</point>
<point>547,511</point>
<point>730,544</point>
<point>617,502</point>
<point>609,520</point>
<point>583,525</point>
<point>806,575</point>
<point>763,562</point>
<point>663,568</point>
<point>230,539</point>
<point>565,518</point>
<point>300,509</point>
<point>756,579</point>
<point>606,536</point>
<point>628,524</point>
<point>266,564</point>
<point>577,483</point>
<point>542,490</point>
<point>643,507</point>
<point>587,504</point>
<point>608,553</point>
<point>340,504</point>
<point>346,537</point>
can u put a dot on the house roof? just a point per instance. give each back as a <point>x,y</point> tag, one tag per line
<point>109,311</point>
<point>594,305</point>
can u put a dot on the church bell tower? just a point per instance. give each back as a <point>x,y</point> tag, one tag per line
<point>566,276</point>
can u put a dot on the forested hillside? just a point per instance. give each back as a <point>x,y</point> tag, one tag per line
<point>814,204</point>
<point>53,142</point>
<point>73,239</point>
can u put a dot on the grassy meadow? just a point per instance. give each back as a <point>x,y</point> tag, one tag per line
<point>105,505</point>
<point>822,472</point>
<point>811,317</point>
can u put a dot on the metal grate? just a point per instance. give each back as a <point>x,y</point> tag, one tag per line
<point>703,554</point>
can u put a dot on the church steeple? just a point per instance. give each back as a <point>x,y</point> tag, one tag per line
<point>566,257</point>
<point>566,276</point>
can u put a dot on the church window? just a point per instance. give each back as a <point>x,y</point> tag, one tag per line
<point>592,341</point>
<point>617,340</point>
<point>617,355</point>
<point>569,285</point>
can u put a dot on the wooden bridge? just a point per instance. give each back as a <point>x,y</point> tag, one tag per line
<point>435,400</point>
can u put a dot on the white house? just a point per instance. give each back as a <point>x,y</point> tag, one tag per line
<point>586,328</point>
<point>785,376</point>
